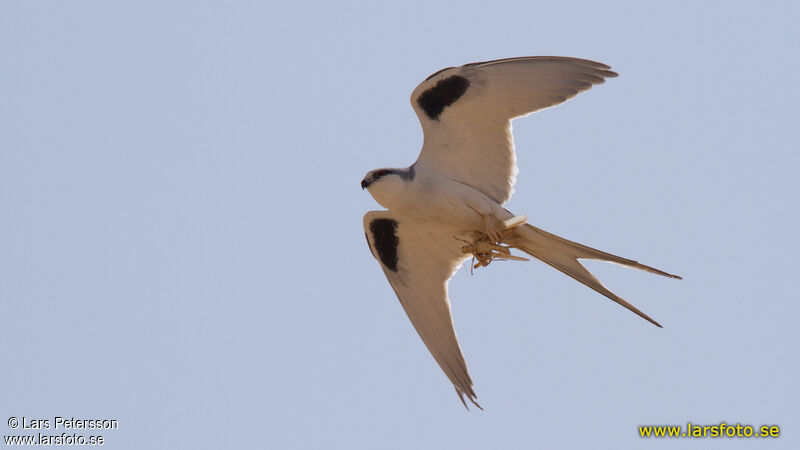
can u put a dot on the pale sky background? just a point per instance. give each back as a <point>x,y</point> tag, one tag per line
<point>181,246</point>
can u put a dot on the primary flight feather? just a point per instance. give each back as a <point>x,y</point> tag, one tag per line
<point>453,194</point>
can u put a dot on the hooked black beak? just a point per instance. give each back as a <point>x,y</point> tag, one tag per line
<point>364,184</point>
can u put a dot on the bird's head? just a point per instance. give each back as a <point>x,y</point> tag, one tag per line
<point>377,176</point>
<point>386,184</point>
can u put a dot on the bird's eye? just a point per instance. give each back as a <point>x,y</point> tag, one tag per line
<point>381,173</point>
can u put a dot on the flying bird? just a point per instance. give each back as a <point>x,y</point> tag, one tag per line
<point>454,193</point>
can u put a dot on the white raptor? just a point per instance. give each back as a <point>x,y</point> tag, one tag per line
<point>455,190</point>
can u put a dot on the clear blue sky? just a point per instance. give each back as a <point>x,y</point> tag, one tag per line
<point>181,245</point>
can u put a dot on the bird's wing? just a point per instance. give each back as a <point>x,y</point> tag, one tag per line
<point>419,260</point>
<point>466,113</point>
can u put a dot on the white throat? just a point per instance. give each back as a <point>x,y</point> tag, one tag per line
<point>391,191</point>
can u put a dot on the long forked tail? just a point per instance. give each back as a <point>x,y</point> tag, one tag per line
<point>563,255</point>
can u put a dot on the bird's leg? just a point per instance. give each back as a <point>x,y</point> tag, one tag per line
<point>491,230</point>
<point>497,229</point>
<point>489,246</point>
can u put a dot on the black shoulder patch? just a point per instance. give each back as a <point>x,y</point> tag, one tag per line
<point>443,94</point>
<point>386,242</point>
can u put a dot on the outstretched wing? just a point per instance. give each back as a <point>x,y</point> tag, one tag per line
<point>419,260</point>
<point>466,113</point>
